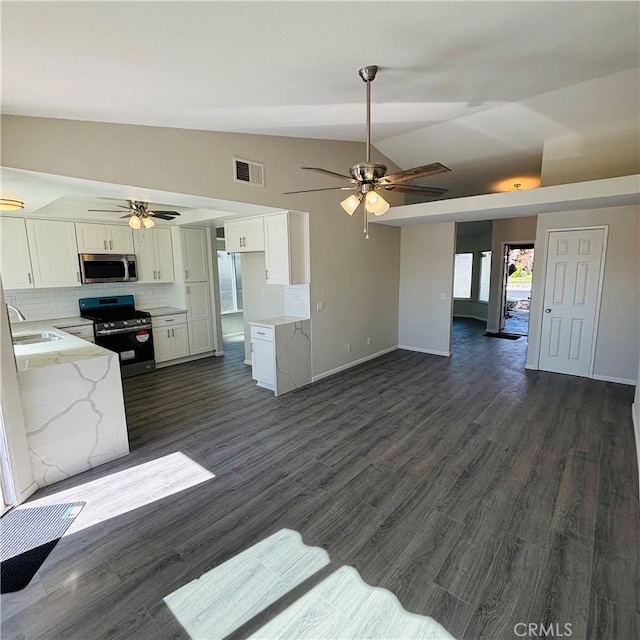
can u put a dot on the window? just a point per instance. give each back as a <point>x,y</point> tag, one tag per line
<point>462,275</point>
<point>485,276</point>
<point>230,277</point>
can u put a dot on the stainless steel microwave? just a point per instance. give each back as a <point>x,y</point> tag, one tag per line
<point>108,267</point>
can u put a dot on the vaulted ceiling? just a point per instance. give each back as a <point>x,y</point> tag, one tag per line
<point>479,86</point>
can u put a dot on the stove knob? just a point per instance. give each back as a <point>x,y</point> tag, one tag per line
<point>139,321</point>
<point>112,324</point>
<point>125,323</point>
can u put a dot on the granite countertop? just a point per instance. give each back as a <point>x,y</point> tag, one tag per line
<point>47,354</point>
<point>274,322</point>
<point>164,311</point>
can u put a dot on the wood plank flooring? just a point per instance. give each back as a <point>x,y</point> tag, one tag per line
<point>478,493</point>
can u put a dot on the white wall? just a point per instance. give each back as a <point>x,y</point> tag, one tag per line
<point>232,324</point>
<point>357,280</point>
<point>475,244</point>
<point>505,230</point>
<point>426,272</point>
<point>617,340</point>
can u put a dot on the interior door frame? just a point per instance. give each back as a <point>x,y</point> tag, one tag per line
<point>603,261</point>
<point>503,276</point>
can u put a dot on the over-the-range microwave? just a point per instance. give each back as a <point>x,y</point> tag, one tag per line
<point>108,267</point>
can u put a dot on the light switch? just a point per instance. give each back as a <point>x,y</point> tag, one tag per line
<point>319,306</point>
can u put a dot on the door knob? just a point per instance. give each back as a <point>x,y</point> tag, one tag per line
<point>547,310</point>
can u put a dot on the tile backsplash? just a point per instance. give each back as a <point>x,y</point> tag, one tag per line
<point>297,300</point>
<point>44,304</point>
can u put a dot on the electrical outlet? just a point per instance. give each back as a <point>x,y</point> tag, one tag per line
<point>368,342</point>
<point>10,300</point>
<point>319,306</point>
<point>349,347</point>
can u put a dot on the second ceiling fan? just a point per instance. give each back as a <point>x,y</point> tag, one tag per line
<point>368,178</point>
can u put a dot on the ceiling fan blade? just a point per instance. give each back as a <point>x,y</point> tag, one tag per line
<point>128,215</point>
<point>159,215</point>
<point>414,188</point>
<point>330,173</point>
<point>168,213</point>
<point>417,172</point>
<point>286,193</point>
<point>107,210</point>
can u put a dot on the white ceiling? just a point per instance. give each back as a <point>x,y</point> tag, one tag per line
<point>458,81</point>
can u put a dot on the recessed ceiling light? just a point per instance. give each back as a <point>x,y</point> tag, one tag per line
<point>7,204</point>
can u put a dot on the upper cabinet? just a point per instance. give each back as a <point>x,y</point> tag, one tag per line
<point>15,262</point>
<point>244,235</point>
<point>104,238</point>
<point>154,253</point>
<point>286,242</point>
<point>54,253</point>
<point>195,254</point>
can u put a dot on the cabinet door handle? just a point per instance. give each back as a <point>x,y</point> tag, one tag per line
<point>154,275</point>
<point>158,274</point>
<point>29,276</point>
<point>168,333</point>
<point>110,244</point>
<point>186,274</point>
<point>173,333</point>
<point>78,276</point>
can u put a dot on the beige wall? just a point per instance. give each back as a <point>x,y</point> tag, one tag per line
<point>505,231</point>
<point>617,339</point>
<point>357,280</point>
<point>426,272</point>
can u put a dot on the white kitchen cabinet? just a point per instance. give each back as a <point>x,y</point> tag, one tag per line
<point>199,318</point>
<point>54,253</point>
<point>104,238</point>
<point>281,353</point>
<point>15,261</point>
<point>195,252</point>
<point>84,331</point>
<point>170,337</point>
<point>286,242</point>
<point>242,236</point>
<point>154,253</point>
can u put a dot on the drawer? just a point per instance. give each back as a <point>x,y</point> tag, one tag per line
<point>168,321</point>
<point>261,333</point>
<point>84,331</point>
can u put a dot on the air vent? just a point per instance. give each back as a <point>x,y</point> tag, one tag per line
<point>248,172</point>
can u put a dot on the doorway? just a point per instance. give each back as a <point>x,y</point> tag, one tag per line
<point>516,288</point>
<point>231,294</point>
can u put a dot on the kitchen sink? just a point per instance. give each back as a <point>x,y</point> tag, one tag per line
<point>35,338</point>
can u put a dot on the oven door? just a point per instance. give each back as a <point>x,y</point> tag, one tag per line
<point>134,347</point>
<point>107,268</point>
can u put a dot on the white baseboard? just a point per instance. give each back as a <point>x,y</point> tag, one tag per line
<point>29,491</point>
<point>433,352</point>
<point>628,381</point>
<point>248,362</point>
<point>199,356</point>
<point>464,315</point>
<point>355,363</point>
<point>531,367</point>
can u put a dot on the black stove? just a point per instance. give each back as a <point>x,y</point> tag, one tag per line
<point>120,327</point>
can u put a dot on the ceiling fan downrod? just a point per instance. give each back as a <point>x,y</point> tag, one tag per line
<point>368,75</point>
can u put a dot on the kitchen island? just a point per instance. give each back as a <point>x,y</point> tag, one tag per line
<point>71,393</point>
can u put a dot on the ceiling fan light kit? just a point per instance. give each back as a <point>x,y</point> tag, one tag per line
<point>8,204</point>
<point>140,215</point>
<point>366,177</point>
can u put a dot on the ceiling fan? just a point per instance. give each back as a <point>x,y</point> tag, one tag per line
<point>369,178</point>
<point>140,215</point>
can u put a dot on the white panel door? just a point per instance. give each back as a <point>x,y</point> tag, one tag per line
<point>15,262</point>
<point>574,264</point>
<point>196,255</point>
<point>233,236</point>
<point>276,247</point>
<point>180,340</point>
<point>92,238</point>
<point>162,344</point>
<point>199,318</point>
<point>254,234</point>
<point>263,361</point>
<point>54,253</point>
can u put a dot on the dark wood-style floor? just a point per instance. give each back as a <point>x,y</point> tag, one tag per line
<point>480,494</point>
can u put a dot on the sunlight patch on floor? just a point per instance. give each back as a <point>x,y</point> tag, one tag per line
<point>342,606</point>
<point>130,489</point>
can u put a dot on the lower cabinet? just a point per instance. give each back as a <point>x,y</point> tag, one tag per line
<point>170,337</point>
<point>263,358</point>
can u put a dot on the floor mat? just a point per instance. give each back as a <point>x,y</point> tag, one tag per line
<point>506,336</point>
<point>28,536</point>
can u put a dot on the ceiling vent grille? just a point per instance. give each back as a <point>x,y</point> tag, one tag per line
<point>248,172</point>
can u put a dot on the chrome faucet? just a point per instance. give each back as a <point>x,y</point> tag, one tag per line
<point>19,313</point>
